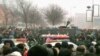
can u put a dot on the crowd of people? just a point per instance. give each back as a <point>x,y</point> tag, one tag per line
<point>88,42</point>
<point>60,49</point>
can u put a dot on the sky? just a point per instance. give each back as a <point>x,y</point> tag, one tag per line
<point>75,8</point>
<point>72,6</point>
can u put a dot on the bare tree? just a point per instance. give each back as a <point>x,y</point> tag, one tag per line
<point>34,16</point>
<point>23,11</point>
<point>54,14</point>
<point>11,13</point>
<point>13,16</point>
<point>6,12</point>
<point>23,8</point>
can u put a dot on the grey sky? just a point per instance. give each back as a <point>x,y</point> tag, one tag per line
<point>72,6</point>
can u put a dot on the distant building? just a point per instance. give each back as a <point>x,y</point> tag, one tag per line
<point>96,23</point>
<point>80,21</point>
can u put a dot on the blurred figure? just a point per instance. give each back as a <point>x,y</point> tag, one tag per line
<point>56,49</point>
<point>49,45</point>
<point>71,49</point>
<point>38,50</point>
<point>9,43</point>
<point>57,45</point>
<point>50,50</point>
<point>64,49</point>
<point>22,49</point>
<point>80,51</point>
<point>97,46</point>
<point>9,49</point>
<point>6,51</point>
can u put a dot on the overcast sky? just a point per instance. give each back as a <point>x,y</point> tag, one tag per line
<point>72,6</point>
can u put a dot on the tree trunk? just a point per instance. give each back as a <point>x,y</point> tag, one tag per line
<point>25,17</point>
<point>26,23</point>
<point>6,21</point>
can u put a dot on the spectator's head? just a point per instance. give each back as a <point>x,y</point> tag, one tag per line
<point>64,44</point>
<point>6,50</point>
<point>58,45</point>
<point>21,46</point>
<point>49,45</point>
<point>38,50</point>
<point>65,52</point>
<point>55,52</point>
<point>97,46</point>
<point>70,46</point>
<point>80,49</point>
<point>92,49</point>
<point>9,43</point>
<point>68,53</point>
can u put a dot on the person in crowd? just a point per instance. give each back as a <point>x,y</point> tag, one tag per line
<point>49,45</point>
<point>64,49</point>
<point>97,46</point>
<point>21,48</point>
<point>8,52</point>
<point>50,50</point>
<point>80,51</point>
<point>25,52</point>
<point>38,50</point>
<point>91,52</point>
<point>9,49</point>
<point>57,45</point>
<point>72,49</point>
<point>9,43</point>
<point>56,49</point>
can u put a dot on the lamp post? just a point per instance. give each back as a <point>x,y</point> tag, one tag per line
<point>94,13</point>
<point>89,16</point>
<point>90,11</point>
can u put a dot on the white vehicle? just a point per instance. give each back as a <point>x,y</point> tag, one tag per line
<point>16,41</point>
<point>26,45</point>
<point>53,44</point>
<point>57,38</point>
